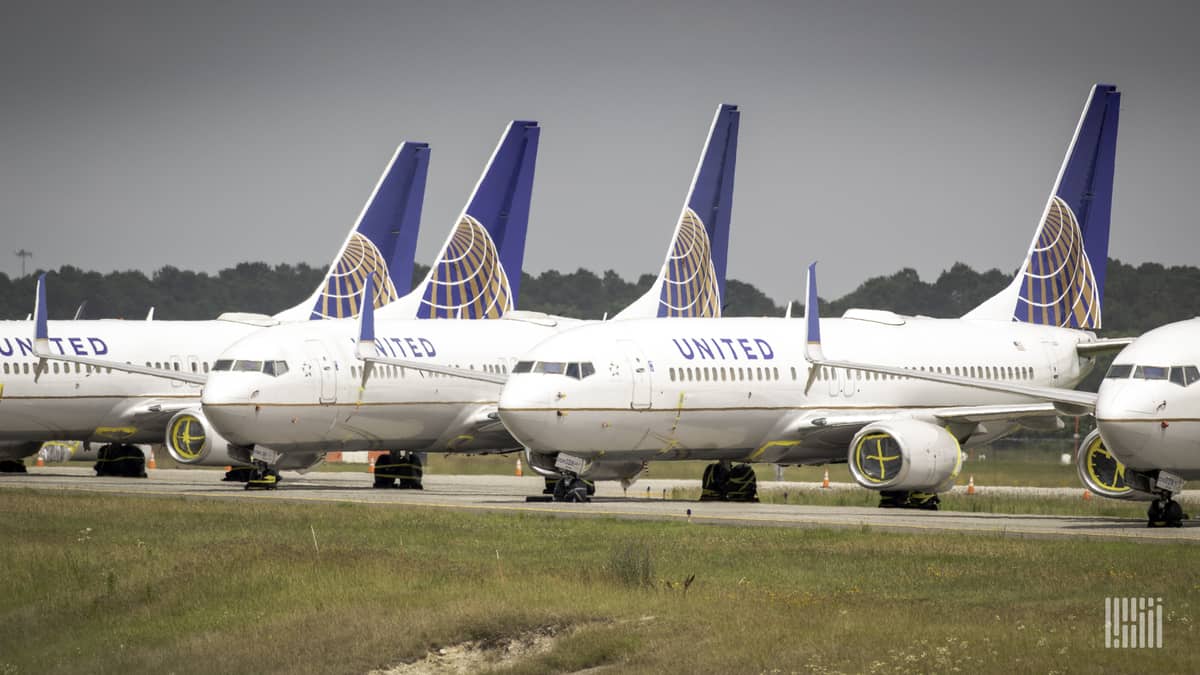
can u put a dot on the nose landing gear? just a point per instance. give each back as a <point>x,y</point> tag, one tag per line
<point>262,477</point>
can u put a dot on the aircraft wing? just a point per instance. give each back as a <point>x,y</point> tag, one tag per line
<point>41,349</point>
<point>369,353</point>
<point>831,420</point>
<point>434,368</point>
<point>1069,402</point>
<point>1065,401</point>
<point>141,416</point>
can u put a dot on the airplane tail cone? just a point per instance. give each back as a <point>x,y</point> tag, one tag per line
<point>825,480</point>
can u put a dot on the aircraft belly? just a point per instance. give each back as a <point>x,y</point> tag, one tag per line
<point>58,419</point>
<point>394,426</point>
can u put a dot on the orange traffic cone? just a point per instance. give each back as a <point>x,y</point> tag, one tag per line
<point>1087,495</point>
<point>152,464</point>
<point>40,461</point>
<point>971,485</point>
<point>519,471</point>
<point>825,480</point>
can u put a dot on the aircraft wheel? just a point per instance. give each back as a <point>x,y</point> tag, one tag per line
<point>12,466</point>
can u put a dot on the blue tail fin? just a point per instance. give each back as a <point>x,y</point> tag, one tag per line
<point>691,282</point>
<point>477,275</point>
<point>383,241</point>
<point>1061,282</point>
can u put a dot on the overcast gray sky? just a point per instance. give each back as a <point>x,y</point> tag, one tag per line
<point>874,136</point>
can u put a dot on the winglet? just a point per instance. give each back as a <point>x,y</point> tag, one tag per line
<point>41,334</point>
<point>366,348</point>
<point>812,318</point>
<point>812,326</point>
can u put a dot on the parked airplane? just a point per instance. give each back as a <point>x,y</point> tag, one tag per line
<point>741,390</point>
<point>92,385</point>
<point>1147,418</point>
<point>432,386</point>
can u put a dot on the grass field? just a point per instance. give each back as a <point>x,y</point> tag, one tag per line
<point>117,584</point>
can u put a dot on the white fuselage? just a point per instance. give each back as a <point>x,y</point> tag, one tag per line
<point>1150,417</point>
<point>70,401</point>
<point>319,404</point>
<point>735,388</point>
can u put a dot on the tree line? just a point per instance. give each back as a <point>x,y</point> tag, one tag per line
<point>1137,298</point>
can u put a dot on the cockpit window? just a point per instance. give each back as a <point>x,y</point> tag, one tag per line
<point>241,366</point>
<point>1119,371</point>
<point>1150,372</point>
<point>576,369</point>
<point>1191,375</point>
<point>275,368</point>
<point>223,364</point>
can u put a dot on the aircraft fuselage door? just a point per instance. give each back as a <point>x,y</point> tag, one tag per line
<point>322,364</point>
<point>170,365</point>
<point>193,366</point>
<point>639,370</point>
<point>1049,348</point>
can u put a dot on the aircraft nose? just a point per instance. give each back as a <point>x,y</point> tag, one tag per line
<point>229,407</point>
<point>524,407</point>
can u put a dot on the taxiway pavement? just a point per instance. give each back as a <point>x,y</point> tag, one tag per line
<point>644,500</point>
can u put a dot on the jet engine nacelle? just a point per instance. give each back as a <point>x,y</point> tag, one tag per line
<point>192,440</point>
<point>905,454</point>
<point>1103,474</point>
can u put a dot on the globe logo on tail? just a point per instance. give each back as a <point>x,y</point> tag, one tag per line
<point>690,286</point>
<point>468,282</point>
<point>1058,286</point>
<point>343,288</point>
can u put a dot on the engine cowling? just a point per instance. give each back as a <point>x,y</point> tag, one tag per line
<point>1103,474</point>
<point>192,440</point>
<point>905,454</point>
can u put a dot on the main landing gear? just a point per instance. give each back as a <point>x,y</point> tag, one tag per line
<point>924,501</point>
<point>119,459</point>
<point>12,466</point>
<point>723,482</point>
<point>1165,512</point>
<point>569,488</point>
<point>399,470</point>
